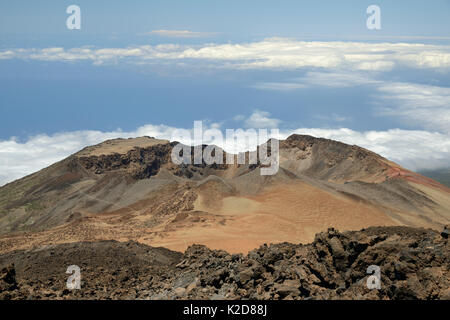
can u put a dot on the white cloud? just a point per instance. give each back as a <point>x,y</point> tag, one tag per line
<point>334,117</point>
<point>424,105</point>
<point>279,86</point>
<point>376,66</point>
<point>337,79</point>
<point>179,33</point>
<point>261,119</point>
<point>413,149</point>
<point>239,117</point>
<point>275,53</point>
<point>326,79</point>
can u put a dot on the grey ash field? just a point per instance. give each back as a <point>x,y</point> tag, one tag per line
<point>141,227</point>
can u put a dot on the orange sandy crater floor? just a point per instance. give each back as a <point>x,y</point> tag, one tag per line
<point>292,213</point>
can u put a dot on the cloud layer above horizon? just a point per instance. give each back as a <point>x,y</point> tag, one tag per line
<point>273,53</point>
<point>334,64</point>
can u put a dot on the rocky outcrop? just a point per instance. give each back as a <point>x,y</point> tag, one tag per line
<point>8,282</point>
<point>413,264</point>
<point>333,160</point>
<point>140,163</point>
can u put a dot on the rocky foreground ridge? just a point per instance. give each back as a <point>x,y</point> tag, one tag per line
<point>414,264</point>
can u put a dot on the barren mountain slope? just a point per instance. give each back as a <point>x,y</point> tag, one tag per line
<point>128,189</point>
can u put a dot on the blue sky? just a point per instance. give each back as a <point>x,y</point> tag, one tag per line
<point>44,21</point>
<point>306,66</point>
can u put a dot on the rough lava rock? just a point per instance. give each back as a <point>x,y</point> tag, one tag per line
<point>414,264</point>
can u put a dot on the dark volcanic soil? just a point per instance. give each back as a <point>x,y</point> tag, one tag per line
<point>414,264</point>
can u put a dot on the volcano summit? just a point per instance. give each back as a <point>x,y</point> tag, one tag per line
<point>129,189</point>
